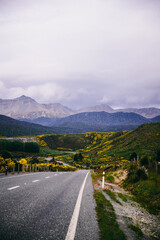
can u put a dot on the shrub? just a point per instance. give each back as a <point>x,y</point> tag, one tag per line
<point>144,161</point>
<point>136,173</point>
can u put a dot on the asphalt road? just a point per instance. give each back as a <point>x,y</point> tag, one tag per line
<point>41,205</point>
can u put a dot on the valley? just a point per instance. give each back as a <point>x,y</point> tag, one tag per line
<point>130,160</point>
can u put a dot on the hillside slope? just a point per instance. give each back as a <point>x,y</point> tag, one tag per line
<point>104,118</point>
<point>10,127</point>
<point>102,148</point>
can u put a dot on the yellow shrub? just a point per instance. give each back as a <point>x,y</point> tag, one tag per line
<point>23,161</point>
<point>43,143</point>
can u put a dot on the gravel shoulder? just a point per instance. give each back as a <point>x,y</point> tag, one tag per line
<point>131,213</point>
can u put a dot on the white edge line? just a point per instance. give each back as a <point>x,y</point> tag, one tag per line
<point>13,188</point>
<point>73,223</point>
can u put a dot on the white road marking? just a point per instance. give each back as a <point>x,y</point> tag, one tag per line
<point>55,174</point>
<point>13,188</point>
<point>73,224</point>
<point>47,177</point>
<point>35,181</point>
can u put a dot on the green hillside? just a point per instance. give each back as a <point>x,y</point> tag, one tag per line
<point>100,149</point>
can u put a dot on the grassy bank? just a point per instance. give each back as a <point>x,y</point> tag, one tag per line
<point>109,228</point>
<point>147,192</point>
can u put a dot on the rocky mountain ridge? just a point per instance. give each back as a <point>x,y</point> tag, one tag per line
<point>27,108</point>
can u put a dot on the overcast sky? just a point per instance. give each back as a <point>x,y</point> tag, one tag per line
<point>81,52</point>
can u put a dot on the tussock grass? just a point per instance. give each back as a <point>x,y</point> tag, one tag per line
<point>109,228</point>
<point>146,192</point>
<point>137,230</point>
<point>124,197</point>
<point>112,196</point>
<point>109,178</point>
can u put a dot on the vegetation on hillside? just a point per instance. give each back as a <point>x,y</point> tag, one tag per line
<point>105,150</point>
<point>135,151</point>
<point>143,180</point>
<point>10,127</point>
<point>109,228</point>
<point>18,146</point>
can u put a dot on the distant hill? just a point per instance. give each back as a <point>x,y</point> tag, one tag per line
<point>44,121</point>
<point>156,119</point>
<point>10,127</point>
<point>103,118</point>
<point>145,112</point>
<point>77,123</point>
<point>82,127</point>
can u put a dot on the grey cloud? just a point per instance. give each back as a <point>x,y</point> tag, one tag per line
<point>81,52</point>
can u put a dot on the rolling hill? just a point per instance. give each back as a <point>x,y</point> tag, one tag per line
<point>103,148</point>
<point>103,119</point>
<point>10,127</point>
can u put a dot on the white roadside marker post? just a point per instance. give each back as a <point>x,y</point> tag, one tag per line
<point>103,180</point>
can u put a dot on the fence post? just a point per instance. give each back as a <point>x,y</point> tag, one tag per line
<point>18,167</point>
<point>14,169</point>
<point>6,169</point>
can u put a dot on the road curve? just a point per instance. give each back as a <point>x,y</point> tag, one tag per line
<point>41,205</point>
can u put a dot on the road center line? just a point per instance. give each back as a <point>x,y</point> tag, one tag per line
<point>73,224</point>
<point>35,181</point>
<point>13,188</point>
<point>47,177</point>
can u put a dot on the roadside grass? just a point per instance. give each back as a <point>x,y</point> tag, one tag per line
<point>137,230</point>
<point>96,176</point>
<point>146,192</point>
<point>124,197</point>
<point>112,196</point>
<point>109,178</point>
<point>109,228</point>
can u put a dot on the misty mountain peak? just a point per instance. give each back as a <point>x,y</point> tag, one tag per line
<point>98,108</point>
<point>24,98</point>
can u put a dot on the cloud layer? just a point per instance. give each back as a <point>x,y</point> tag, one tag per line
<point>81,53</point>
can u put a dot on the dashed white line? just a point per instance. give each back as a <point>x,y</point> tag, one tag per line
<point>55,174</point>
<point>13,188</point>
<point>47,177</point>
<point>73,224</point>
<point>35,180</point>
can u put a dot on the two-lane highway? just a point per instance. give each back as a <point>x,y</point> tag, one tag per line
<point>48,205</point>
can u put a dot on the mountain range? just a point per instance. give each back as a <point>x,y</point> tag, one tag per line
<point>29,118</point>
<point>78,123</point>
<point>27,108</point>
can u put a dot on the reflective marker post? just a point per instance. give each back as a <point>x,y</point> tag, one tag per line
<point>103,180</point>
